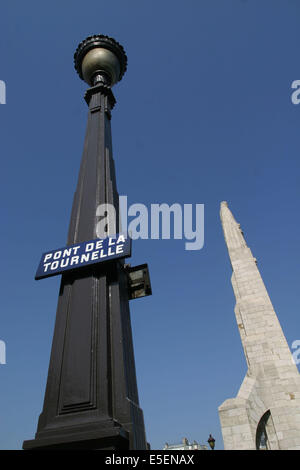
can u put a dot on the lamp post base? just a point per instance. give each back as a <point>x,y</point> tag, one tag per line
<point>107,437</point>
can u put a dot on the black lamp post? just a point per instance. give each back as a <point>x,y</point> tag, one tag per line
<point>211,442</point>
<point>91,399</point>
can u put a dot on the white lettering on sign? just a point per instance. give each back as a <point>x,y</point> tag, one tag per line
<point>90,252</point>
<point>58,254</point>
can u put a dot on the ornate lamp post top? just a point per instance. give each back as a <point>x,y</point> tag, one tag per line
<point>100,59</point>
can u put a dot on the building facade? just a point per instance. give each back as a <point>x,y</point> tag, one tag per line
<point>185,445</point>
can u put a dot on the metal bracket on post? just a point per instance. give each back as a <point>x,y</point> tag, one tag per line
<point>139,284</point>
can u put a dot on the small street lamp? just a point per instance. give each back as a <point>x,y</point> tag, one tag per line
<point>211,442</point>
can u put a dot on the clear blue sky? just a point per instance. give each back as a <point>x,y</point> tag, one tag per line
<point>203,114</point>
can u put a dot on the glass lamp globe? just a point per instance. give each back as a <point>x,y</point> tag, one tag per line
<point>100,58</point>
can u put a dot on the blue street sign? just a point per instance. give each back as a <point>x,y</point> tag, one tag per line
<point>83,254</point>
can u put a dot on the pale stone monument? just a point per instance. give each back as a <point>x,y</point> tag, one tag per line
<point>266,411</point>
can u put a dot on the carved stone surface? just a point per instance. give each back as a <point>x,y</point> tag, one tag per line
<point>268,402</point>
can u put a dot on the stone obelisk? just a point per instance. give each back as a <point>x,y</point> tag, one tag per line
<point>265,414</point>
